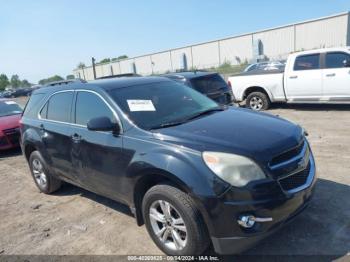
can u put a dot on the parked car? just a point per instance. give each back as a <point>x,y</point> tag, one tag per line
<point>315,76</point>
<point>7,94</point>
<point>273,65</point>
<point>10,114</point>
<point>208,83</point>
<point>194,172</point>
<point>21,92</point>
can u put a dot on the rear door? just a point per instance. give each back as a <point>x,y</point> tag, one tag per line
<point>336,76</point>
<point>97,156</point>
<point>54,129</point>
<point>304,79</point>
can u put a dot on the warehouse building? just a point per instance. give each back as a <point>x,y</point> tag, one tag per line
<point>270,44</point>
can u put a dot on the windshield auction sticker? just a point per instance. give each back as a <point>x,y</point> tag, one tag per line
<point>141,105</point>
<point>10,102</point>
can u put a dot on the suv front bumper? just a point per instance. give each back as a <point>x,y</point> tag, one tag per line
<point>282,210</point>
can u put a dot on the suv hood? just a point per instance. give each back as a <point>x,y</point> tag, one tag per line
<point>259,136</point>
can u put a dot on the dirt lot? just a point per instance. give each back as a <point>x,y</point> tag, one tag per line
<point>74,221</point>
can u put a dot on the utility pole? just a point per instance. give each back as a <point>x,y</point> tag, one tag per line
<point>93,66</point>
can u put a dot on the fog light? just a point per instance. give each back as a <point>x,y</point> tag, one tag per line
<point>248,221</point>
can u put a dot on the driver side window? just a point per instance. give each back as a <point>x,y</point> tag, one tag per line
<point>89,105</point>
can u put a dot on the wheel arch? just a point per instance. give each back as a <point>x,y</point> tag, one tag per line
<point>252,89</point>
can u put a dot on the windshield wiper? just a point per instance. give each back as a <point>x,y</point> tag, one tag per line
<point>176,123</point>
<point>205,112</point>
<point>164,125</point>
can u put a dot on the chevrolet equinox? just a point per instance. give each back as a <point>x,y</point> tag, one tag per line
<point>194,172</point>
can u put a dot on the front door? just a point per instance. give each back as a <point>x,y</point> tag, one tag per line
<point>97,156</point>
<point>304,80</point>
<point>336,76</point>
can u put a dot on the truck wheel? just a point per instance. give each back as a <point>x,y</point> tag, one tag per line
<point>43,180</point>
<point>173,221</point>
<point>258,101</point>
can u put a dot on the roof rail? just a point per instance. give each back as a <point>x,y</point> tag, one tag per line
<point>120,75</point>
<point>66,82</point>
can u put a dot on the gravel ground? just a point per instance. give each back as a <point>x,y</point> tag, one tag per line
<point>74,221</point>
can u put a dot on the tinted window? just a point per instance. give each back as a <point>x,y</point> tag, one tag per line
<point>34,102</point>
<point>152,105</point>
<point>89,106</point>
<point>59,107</point>
<point>336,59</point>
<point>43,112</point>
<point>307,62</point>
<point>207,84</point>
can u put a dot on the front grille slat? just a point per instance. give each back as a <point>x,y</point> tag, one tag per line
<point>12,135</point>
<point>292,168</point>
<point>296,180</point>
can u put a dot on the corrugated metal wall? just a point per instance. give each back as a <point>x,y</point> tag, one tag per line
<point>277,44</point>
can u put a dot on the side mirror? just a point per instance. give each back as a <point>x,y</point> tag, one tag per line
<point>103,124</point>
<point>346,63</point>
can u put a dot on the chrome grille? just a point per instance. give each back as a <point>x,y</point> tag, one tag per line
<point>292,168</point>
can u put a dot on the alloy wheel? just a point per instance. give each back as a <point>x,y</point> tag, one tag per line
<point>39,174</point>
<point>168,225</point>
<point>256,103</point>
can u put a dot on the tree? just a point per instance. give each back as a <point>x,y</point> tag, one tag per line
<point>4,81</point>
<point>81,65</point>
<point>15,82</point>
<point>105,60</point>
<point>51,79</point>
<point>119,58</point>
<point>25,83</point>
<point>69,77</point>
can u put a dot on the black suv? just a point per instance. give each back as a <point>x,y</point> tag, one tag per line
<point>196,173</point>
<point>208,83</point>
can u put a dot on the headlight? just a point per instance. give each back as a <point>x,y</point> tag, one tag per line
<point>234,169</point>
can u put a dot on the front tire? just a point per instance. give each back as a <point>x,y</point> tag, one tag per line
<point>173,221</point>
<point>45,182</point>
<point>258,101</point>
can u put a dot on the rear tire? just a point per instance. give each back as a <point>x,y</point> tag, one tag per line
<point>258,101</point>
<point>187,232</point>
<point>40,173</point>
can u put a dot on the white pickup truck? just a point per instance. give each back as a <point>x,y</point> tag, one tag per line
<point>315,76</point>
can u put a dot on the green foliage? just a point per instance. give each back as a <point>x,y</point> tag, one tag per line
<point>51,79</point>
<point>15,81</point>
<point>81,65</point>
<point>25,83</point>
<point>119,58</point>
<point>4,81</point>
<point>105,60</point>
<point>228,68</point>
<point>69,77</point>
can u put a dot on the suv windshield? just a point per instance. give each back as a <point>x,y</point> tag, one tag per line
<point>8,108</point>
<point>161,104</point>
<point>208,84</point>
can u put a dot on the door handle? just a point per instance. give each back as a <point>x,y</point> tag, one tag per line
<point>76,138</point>
<point>293,77</point>
<point>330,75</point>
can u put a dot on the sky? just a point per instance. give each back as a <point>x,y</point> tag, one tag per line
<point>41,38</point>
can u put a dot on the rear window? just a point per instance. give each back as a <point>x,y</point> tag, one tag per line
<point>32,105</point>
<point>58,108</point>
<point>307,62</point>
<point>208,84</point>
<point>337,60</point>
